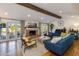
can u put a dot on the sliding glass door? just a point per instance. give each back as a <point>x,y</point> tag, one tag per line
<point>10,29</point>
<point>3,30</point>
<point>14,30</point>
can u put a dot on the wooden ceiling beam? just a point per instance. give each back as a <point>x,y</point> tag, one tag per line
<point>33,7</point>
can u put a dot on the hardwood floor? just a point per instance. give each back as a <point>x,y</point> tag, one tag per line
<point>13,48</point>
<point>10,48</point>
<point>72,51</point>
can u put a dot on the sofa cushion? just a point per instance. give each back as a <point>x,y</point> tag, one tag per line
<point>56,39</point>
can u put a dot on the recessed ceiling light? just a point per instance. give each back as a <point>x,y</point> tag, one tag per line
<point>42,18</point>
<point>72,16</point>
<point>29,15</point>
<point>60,11</point>
<point>5,13</point>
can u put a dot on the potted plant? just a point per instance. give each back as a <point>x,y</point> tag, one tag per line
<point>51,27</point>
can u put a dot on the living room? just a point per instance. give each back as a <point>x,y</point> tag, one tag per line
<point>28,31</point>
<point>52,32</point>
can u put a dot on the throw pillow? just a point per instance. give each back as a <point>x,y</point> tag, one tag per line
<point>63,34</point>
<point>56,39</point>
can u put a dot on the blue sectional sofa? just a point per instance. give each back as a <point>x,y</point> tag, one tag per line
<point>61,46</point>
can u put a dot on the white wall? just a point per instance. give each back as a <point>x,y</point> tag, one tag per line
<point>69,22</point>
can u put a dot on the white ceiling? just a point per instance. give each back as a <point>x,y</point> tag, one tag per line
<point>19,12</point>
<point>16,11</point>
<point>66,8</point>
